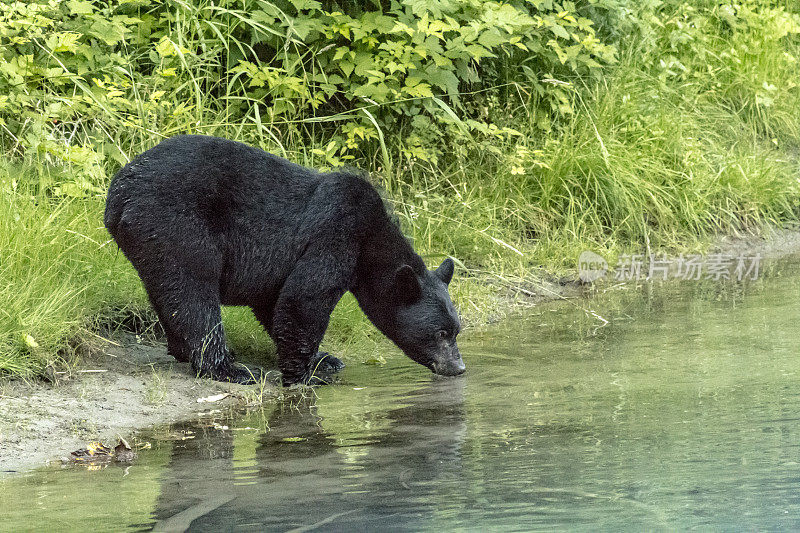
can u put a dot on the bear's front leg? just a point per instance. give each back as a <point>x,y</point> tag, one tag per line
<point>322,363</point>
<point>301,316</point>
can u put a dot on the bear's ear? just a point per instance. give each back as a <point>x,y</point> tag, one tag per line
<point>406,284</point>
<point>445,271</point>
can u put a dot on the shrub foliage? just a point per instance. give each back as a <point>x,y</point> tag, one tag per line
<point>90,81</point>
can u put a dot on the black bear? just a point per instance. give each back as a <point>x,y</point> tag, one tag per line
<point>208,222</point>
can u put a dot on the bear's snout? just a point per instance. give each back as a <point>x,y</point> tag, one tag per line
<point>449,363</point>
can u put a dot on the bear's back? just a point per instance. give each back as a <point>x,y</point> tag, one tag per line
<point>197,165</point>
<point>234,189</point>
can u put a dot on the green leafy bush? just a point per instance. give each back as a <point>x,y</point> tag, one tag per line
<point>91,82</point>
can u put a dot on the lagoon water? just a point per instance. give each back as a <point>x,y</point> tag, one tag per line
<point>683,412</point>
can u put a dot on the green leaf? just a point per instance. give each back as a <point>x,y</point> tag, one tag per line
<point>108,32</point>
<point>303,27</point>
<point>301,5</point>
<point>80,7</point>
<point>346,67</point>
<point>477,52</point>
<point>340,52</point>
<point>435,7</point>
<point>63,42</point>
<point>376,92</point>
<point>442,78</point>
<point>364,62</point>
<point>165,48</point>
<point>492,38</point>
<point>418,90</point>
<point>559,31</point>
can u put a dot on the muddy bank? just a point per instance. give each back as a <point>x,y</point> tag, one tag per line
<point>775,245</point>
<point>127,385</point>
<point>770,246</point>
<point>124,386</point>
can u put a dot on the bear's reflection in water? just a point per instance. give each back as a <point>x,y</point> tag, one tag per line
<point>299,474</point>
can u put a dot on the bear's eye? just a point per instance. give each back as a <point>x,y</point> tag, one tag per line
<point>442,334</point>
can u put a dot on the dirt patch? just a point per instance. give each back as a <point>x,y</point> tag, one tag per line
<point>129,385</point>
<point>773,245</point>
<point>769,246</point>
<point>125,386</point>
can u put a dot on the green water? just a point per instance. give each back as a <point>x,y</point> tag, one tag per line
<point>682,413</point>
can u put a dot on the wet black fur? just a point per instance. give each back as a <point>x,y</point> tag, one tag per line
<point>209,222</point>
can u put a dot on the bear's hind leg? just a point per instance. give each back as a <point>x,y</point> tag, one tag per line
<point>175,345</point>
<point>325,363</point>
<point>191,313</point>
<point>180,264</point>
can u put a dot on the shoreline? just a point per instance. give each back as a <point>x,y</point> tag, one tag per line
<point>122,388</point>
<point>128,385</point>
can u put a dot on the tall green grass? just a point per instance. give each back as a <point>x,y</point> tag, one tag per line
<point>58,275</point>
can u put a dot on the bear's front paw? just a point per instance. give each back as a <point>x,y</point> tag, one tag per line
<point>316,371</point>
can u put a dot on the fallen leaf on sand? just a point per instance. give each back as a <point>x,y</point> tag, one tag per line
<point>214,398</point>
<point>92,451</point>
<point>294,439</point>
<point>97,452</point>
<point>123,453</point>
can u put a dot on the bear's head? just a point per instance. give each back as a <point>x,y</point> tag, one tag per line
<point>423,322</point>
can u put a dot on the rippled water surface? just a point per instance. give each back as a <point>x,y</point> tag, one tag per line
<point>683,412</point>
